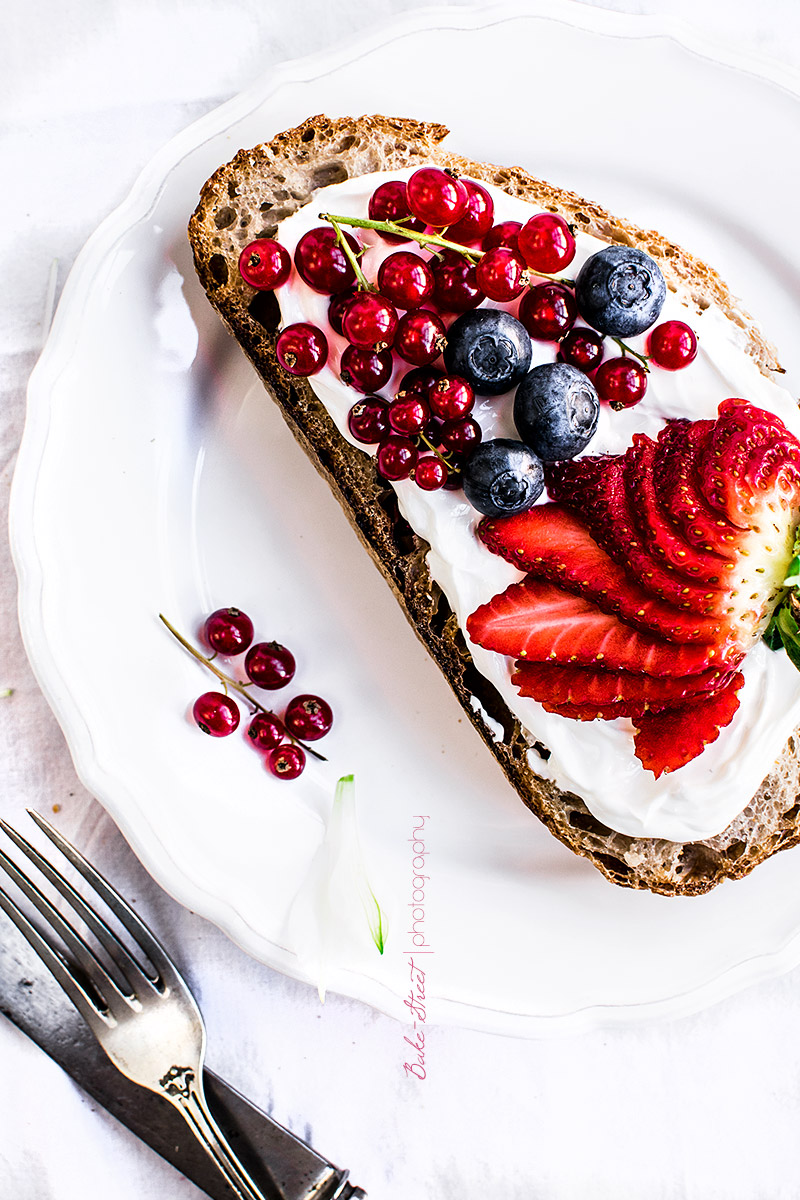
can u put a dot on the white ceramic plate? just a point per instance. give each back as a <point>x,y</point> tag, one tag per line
<point>156,476</point>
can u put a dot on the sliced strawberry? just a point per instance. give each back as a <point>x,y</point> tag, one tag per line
<point>551,542</point>
<point>668,740</point>
<point>541,622</point>
<point>594,488</point>
<point>677,485</point>
<point>657,530</point>
<point>556,684</point>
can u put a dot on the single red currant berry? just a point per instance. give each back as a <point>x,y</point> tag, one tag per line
<point>451,398</point>
<point>287,761</point>
<point>409,415</point>
<point>369,321</point>
<point>477,220</point>
<point>548,311</point>
<point>546,243</point>
<point>336,308</point>
<point>420,337</point>
<point>582,348</point>
<point>266,731</point>
<point>368,420</point>
<point>436,197</point>
<point>265,264</point>
<point>216,714</point>
<point>462,435</point>
<point>621,382</point>
<point>501,274</point>
<point>504,234</point>
<point>269,665</point>
<point>419,382</point>
<point>228,631</point>
<point>322,263</point>
<point>455,283</point>
<point>302,349</point>
<point>430,473</point>
<point>672,345</point>
<point>405,279</point>
<point>396,457</point>
<point>308,717</point>
<point>365,370</point>
<point>389,203</point>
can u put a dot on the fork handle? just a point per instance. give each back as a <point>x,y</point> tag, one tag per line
<point>192,1105</point>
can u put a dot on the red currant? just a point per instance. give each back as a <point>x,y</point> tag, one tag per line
<point>302,349</point>
<point>287,761</point>
<point>546,243</point>
<point>504,234</point>
<point>548,311</point>
<point>672,345</point>
<point>322,263</point>
<point>582,348</point>
<point>366,370</point>
<point>388,203</point>
<point>455,283</point>
<point>436,198</point>
<point>405,279</point>
<point>216,714</point>
<point>308,717</point>
<point>369,321</point>
<point>477,220</point>
<point>420,337</point>
<point>409,415</point>
<point>621,382</point>
<point>269,665</point>
<point>266,731</point>
<point>368,420</point>
<point>228,631</point>
<point>501,274</point>
<point>430,473</point>
<point>419,381</point>
<point>451,398</point>
<point>462,435</point>
<point>265,264</point>
<point>396,457</point>
<point>336,308</point>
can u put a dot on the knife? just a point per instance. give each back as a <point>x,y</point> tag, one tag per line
<point>284,1167</point>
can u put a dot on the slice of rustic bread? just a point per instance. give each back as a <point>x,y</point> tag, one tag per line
<point>247,199</point>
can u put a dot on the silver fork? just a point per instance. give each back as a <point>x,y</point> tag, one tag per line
<point>146,1021</point>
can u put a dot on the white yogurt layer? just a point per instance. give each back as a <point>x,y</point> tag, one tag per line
<point>594,759</point>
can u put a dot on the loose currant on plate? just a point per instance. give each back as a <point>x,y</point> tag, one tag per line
<point>228,631</point>
<point>216,714</point>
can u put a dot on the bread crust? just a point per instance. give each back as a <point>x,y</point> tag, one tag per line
<point>247,199</point>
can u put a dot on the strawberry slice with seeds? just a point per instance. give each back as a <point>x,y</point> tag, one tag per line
<point>594,488</point>
<point>655,527</point>
<point>552,683</point>
<point>549,541</point>
<point>540,622</point>
<point>668,740</point>
<point>677,485</point>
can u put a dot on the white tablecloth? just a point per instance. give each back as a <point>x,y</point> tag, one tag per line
<point>706,1107</point>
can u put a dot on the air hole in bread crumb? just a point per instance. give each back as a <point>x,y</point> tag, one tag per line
<point>791,815</point>
<point>267,232</point>
<point>403,534</point>
<point>218,268</point>
<point>265,309</point>
<point>587,823</point>
<point>735,850</point>
<point>614,865</point>
<point>334,172</point>
<point>308,135</point>
<point>224,218</point>
<point>346,144</point>
<point>233,190</point>
<point>266,206</point>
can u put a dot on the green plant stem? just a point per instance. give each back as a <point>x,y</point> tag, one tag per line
<point>627,350</point>
<point>363,282</point>
<point>227,682</point>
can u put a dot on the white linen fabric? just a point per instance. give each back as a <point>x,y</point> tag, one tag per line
<point>703,1108</point>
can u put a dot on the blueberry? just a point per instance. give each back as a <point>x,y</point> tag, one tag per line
<point>490,349</point>
<point>503,477</point>
<point>620,291</point>
<point>556,410</point>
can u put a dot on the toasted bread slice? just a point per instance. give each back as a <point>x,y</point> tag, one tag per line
<point>247,199</point>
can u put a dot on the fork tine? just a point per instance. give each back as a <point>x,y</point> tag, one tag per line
<point>97,1021</point>
<point>146,941</point>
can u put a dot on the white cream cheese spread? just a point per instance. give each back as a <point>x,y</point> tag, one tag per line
<point>594,759</point>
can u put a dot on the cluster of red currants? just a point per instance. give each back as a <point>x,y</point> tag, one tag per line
<point>269,665</point>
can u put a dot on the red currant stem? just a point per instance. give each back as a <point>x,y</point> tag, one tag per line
<point>363,282</point>
<point>424,239</point>
<point>643,358</point>
<point>442,457</point>
<point>570,283</point>
<point>234,683</point>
